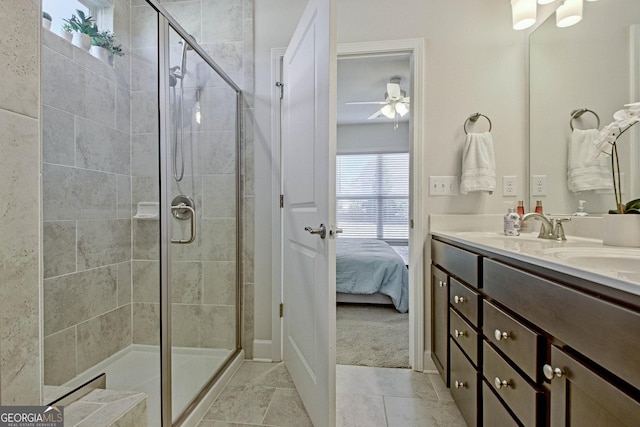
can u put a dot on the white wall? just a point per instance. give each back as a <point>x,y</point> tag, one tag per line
<point>474,62</point>
<point>372,138</point>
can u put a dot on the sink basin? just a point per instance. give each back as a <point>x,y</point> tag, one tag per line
<point>616,259</point>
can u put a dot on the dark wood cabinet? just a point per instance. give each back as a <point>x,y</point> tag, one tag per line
<point>440,322</point>
<point>580,397</point>
<point>532,347</point>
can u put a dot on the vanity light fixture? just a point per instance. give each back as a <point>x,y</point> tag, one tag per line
<point>524,13</point>
<point>569,13</point>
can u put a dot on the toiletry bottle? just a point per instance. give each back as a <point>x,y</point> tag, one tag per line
<point>512,223</point>
<point>539,207</point>
<point>520,208</point>
<point>580,211</point>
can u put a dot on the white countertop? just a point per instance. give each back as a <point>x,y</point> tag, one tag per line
<point>586,258</point>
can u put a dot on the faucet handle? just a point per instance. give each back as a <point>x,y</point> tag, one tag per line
<point>558,228</point>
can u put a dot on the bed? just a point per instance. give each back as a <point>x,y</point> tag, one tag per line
<point>369,270</point>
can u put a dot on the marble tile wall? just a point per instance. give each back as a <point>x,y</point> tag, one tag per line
<point>86,196</point>
<point>20,23</point>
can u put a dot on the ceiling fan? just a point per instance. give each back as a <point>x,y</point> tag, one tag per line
<point>395,103</point>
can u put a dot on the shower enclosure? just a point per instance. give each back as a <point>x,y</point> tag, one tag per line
<point>142,217</point>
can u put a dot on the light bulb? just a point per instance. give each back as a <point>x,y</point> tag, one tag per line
<point>569,13</point>
<point>401,109</point>
<point>545,1</point>
<point>524,13</point>
<point>388,111</point>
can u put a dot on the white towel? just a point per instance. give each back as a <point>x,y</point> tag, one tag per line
<point>584,172</point>
<point>478,164</point>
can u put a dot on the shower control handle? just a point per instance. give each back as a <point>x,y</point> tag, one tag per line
<point>192,217</point>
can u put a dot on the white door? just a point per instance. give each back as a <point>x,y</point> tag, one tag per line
<point>308,177</point>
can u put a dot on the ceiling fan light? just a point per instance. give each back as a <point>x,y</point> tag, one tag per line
<point>569,13</point>
<point>523,13</point>
<point>388,111</point>
<point>401,109</point>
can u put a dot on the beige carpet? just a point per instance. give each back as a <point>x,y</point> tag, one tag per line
<point>372,335</point>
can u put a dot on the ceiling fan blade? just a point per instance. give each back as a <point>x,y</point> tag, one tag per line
<point>393,91</point>
<point>375,115</point>
<point>366,103</point>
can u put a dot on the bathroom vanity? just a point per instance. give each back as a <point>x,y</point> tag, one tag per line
<point>534,332</point>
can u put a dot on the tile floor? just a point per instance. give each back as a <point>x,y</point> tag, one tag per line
<point>262,394</point>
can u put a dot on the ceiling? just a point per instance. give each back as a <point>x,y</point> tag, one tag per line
<point>365,79</point>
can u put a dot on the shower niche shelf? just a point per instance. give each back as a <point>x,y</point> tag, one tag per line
<point>147,211</point>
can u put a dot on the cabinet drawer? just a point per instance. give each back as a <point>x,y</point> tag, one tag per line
<point>464,334</point>
<point>464,385</point>
<point>458,262</point>
<point>583,322</point>
<point>465,300</point>
<point>514,339</point>
<point>493,411</point>
<point>518,394</point>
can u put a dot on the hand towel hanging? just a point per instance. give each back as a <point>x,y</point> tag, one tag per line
<point>478,164</point>
<point>585,171</point>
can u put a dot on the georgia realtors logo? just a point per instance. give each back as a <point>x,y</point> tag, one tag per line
<point>31,416</point>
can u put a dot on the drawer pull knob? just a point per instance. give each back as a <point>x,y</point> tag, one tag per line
<point>500,335</point>
<point>441,283</point>
<point>459,334</point>
<point>459,300</point>
<point>501,383</point>
<point>550,372</point>
<point>460,384</point>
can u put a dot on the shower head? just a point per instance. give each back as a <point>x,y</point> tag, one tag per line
<point>183,64</point>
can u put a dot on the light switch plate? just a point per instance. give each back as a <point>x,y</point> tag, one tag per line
<point>443,185</point>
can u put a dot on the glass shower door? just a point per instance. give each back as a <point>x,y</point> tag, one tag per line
<point>202,163</point>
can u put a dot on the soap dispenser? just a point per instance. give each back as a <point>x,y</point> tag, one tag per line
<point>580,211</point>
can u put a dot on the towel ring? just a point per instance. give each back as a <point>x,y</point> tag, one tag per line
<point>575,114</point>
<point>474,118</point>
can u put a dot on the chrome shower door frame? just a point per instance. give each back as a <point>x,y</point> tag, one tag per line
<point>165,24</point>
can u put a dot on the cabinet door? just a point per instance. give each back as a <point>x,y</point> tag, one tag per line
<point>440,321</point>
<point>582,398</point>
<point>464,385</point>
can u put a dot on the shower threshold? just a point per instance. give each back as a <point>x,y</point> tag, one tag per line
<point>137,368</point>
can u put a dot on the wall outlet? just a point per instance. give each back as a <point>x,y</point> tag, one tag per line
<point>509,184</point>
<point>443,185</point>
<point>539,185</point>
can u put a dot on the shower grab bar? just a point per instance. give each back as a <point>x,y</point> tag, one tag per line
<point>182,207</point>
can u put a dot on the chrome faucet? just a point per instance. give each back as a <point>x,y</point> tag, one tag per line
<point>550,228</point>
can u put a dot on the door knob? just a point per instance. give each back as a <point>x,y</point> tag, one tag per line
<point>322,231</point>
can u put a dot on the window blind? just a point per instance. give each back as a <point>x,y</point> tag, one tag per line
<point>372,195</point>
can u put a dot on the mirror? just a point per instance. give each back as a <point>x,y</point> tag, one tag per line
<point>593,65</point>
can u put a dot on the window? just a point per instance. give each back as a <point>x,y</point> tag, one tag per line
<point>100,10</point>
<point>372,195</point>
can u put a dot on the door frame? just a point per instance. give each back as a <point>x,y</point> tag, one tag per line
<point>414,49</point>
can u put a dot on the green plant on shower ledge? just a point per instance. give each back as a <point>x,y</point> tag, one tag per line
<point>105,39</point>
<point>82,23</point>
<point>606,143</point>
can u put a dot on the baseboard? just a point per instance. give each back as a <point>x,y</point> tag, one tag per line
<point>262,350</point>
<point>429,366</point>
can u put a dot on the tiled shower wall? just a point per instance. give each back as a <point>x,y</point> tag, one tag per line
<point>20,23</point>
<point>100,160</point>
<point>86,204</point>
